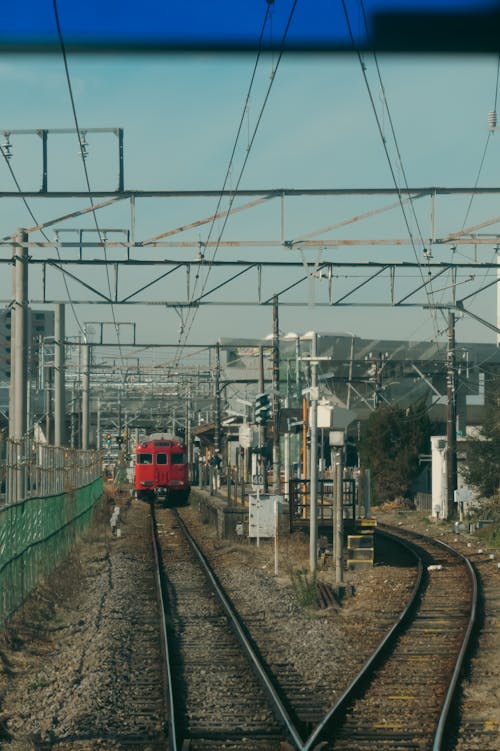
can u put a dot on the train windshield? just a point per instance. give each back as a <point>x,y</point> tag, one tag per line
<point>144,458</point>
<point>178,458</point>
<point>161,459</point>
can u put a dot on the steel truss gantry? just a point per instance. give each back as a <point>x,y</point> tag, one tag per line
<point>293,276</point>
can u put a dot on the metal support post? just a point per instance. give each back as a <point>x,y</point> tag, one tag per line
<point>49,380</point>
<point>276,400</point>
<point>261,465</point>
<point>85,394</point>
<point>313,430</point>
<point>339,517</point>
<point>217,437</point>
<point>19,369</point>
<point>451,428</point>
<point>98,425</point>
<point>286,446</point>
<point>59,377</point>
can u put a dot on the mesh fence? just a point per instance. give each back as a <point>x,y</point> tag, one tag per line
<point>34,469</point>
<point>35,534</point>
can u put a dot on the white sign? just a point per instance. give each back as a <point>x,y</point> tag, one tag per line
<point>246,436</point>
<point>261,516</point>
<point>257,481</point>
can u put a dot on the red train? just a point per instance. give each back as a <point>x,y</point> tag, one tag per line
<point>161,468</point>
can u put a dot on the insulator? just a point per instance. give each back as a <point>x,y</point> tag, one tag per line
<point>7,147</point>
<point>492,119</point>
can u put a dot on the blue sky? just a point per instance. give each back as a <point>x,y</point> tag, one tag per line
<point>180,115</point>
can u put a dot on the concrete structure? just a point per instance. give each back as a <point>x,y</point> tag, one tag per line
<point>40,326</point>
<point>464,495</point>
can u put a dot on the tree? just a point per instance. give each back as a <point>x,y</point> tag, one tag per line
<point>482,469</point>
<point>391,441</point>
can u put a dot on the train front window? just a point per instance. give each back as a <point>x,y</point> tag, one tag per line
<point>144,458</point>
<point>178,458</point>
<point>161,458</point>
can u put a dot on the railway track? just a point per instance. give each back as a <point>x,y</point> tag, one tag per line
<point>399,702</point>
<point>216,698</point>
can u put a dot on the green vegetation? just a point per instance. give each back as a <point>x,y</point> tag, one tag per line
<point>391,440</point>
<point>304,587</point>
<point>482,469</point>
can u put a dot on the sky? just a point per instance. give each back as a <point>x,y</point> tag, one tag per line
<point>318,129</point>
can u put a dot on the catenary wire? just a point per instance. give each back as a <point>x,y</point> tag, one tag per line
<point>33,217</point>
<point>87,179</point>
<point>481,164</point>
<point>385,147</point>
<point>247,155</point>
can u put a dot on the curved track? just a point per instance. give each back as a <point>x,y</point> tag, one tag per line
<point>401,701</point>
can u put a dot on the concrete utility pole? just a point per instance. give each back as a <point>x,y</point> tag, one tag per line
<point>451,428</point>
<point>19,367</point>
<point>19,372</point>
<point>313,471</point>
<point>85,394</point>
<point>339,517</point>
<point>276,400</point>
<point>217,435</point>
<point>59,377</point>
<point>261,465</point>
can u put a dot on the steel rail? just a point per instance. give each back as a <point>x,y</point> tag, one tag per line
<point>450,694</point>
<point>337,711</point>
<point>349,694</point>
<point>280,711</point>
<point>171,717</point>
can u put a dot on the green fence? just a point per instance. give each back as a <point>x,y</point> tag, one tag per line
<point>35,534</point>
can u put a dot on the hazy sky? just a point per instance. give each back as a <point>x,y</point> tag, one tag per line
<point>180,115</point>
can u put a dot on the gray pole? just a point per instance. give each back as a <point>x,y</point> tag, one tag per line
<point>98,424</point>
<point>72,416</point>
<point>189,442</point>
<point>451,428</point>
<point>47,406</point>
<point>217,436</point>
<point>20,315</point>
<point>19,365</point>
<point>313,471</point>
<point>262,430</point>
<point>339,517</point>
<point>85,394</point>
<point>276,400</point>
<point>59,377</point>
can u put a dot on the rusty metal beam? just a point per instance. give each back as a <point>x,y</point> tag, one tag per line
<point>205,220</point>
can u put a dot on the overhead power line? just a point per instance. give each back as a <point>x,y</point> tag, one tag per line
<point>83,156</point>
<point>356,48</point>
<point>184,335</point>
<point>34,219</point>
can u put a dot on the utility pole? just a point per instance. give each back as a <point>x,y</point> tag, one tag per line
<point>85,394</point>
<point>276,400</point>
<point>19,370</point>
<point>451,428</point>
<point>59,379</point>
<point>217,435</point>
<point>313,462</point>
<point>261,465</point>
<point>339,516</point>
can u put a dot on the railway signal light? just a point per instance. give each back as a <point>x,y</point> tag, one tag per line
<point>262,409</point>
<point>108,439</point>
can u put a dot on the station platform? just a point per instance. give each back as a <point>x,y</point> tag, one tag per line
<point>228,514</point>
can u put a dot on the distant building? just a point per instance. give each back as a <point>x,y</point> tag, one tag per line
<point>41,326</point>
